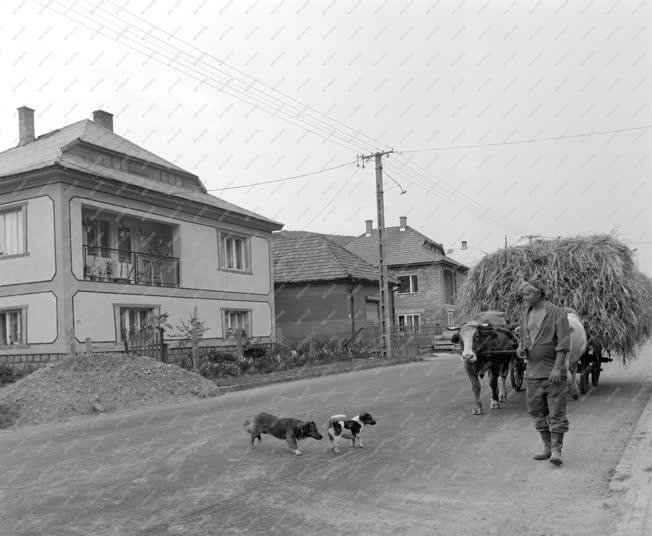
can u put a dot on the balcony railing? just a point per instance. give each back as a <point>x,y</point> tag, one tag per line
<point>130,267</point>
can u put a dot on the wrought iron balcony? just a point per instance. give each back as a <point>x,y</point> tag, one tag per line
<point>130,267</point>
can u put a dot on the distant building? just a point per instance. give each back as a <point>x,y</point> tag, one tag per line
<point>428,279</point>
<point>321,288</point>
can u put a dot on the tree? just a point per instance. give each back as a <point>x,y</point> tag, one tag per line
<point>193,331</point>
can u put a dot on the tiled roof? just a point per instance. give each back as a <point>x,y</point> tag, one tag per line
<point>47,149</point>
<point>403,247</point>
<point>314,257</point>
<point>342,240</point>
<point>71,161</point>
<point>466,257</point>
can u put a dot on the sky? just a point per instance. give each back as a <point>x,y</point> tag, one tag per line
<point>254,91</point>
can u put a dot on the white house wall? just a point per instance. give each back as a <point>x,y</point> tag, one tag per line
<point>94,314</point>
<point>39,263</point>
<point>41,315</point>
<point>197,248</point>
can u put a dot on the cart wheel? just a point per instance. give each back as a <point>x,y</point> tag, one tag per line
<point>584,381</point>
<point>516,374</point>
<point>595,369</point>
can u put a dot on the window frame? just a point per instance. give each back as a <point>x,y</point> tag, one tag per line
<point>22,208</point>
<point>411,283</point>
<point>249,320</point>
<point>451,319</point>
<point>222,237</point>
<point>22,309</point>
<point>401,328</point>
<point>453,280</point>
<point>117,314</point>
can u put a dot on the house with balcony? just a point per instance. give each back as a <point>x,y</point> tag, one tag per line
<point>97,234</point>
<point>427,297</point>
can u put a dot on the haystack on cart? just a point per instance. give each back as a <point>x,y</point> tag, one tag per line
<point>595,276</point>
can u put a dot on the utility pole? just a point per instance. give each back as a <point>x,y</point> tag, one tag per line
<point>385,318</point>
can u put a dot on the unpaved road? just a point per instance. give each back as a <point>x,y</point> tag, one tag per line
<point>429,467</point>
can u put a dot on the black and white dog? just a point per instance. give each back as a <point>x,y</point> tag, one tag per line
<point>340,427</point>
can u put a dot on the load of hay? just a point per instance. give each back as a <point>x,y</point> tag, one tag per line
<point>595,275</point>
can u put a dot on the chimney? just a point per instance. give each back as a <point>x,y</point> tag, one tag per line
<point>104,119</point>
<point>25,125</point>
<point>403,221</point>
<point>370,226</point>
<point>463,244</point>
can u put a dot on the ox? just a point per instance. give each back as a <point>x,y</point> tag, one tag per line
<point>487,332</point>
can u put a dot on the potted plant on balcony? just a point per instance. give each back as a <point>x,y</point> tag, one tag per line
<point>110,270</point>
<point>157,245</point>
<point>90,271</point>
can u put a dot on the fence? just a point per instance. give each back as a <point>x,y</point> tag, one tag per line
<point>407,341</point>
<point>146,342</point>
<point>150,342</point>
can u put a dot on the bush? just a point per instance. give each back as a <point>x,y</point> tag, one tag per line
<point>11,375</point>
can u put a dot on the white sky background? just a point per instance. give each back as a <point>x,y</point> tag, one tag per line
<point>410,74</point>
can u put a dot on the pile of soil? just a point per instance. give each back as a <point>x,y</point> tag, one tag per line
<point>96,383</point>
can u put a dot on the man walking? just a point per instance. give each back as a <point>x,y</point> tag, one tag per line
<point>545,340</point>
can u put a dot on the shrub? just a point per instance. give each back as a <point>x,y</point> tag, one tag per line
<point>11,375</point>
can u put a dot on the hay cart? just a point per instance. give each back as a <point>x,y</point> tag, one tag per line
<point>588,366</point>
<point>516,366</point>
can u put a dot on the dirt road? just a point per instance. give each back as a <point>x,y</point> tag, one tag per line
<point>428,467</point>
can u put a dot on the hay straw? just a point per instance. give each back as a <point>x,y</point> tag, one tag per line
<point>595,275</point>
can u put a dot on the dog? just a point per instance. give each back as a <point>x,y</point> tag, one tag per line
<point>340,427</point>
<point>292,430</point>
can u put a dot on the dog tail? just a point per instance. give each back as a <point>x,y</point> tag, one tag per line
<point>248,426</point>
<point>335,418</point>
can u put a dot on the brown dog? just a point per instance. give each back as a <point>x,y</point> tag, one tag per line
<point>286,428</point>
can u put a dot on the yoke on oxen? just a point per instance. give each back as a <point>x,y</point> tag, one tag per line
<point>488,345</point>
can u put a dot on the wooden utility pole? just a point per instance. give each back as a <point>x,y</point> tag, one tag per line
<point>385,313</point>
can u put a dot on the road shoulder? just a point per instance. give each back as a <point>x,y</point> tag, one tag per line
<point>633,477</point>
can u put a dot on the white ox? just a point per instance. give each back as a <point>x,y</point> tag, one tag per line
<point>578,345</point>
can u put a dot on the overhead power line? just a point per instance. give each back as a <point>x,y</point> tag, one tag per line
<point>298,114</point>
<point>530,140</point>
<point>283,179</point>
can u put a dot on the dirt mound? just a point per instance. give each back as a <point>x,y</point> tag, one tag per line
<point>97,383</point>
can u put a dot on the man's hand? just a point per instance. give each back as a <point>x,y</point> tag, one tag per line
<point>521,353</point>
<point>555,375</point>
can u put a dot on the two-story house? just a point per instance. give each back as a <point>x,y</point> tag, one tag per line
<point>96,233</point>
<point>429,280</point>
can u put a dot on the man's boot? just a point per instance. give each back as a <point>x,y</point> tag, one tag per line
<point>545,436</point>
<point>557,443</point>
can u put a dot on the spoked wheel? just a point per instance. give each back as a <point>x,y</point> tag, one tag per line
<point>584,381</point>
<point>597,361</point>
<point>516,374</point>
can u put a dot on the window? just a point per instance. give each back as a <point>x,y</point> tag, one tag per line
<point>408,284</point>
<point>449,287</point>
<point>98,237</point>
<point>11,327</point>
<point>409,322</point>
<point>133,319</point>
<point>234,253</point>
<point>12,231</point>
<point>234,321</point>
